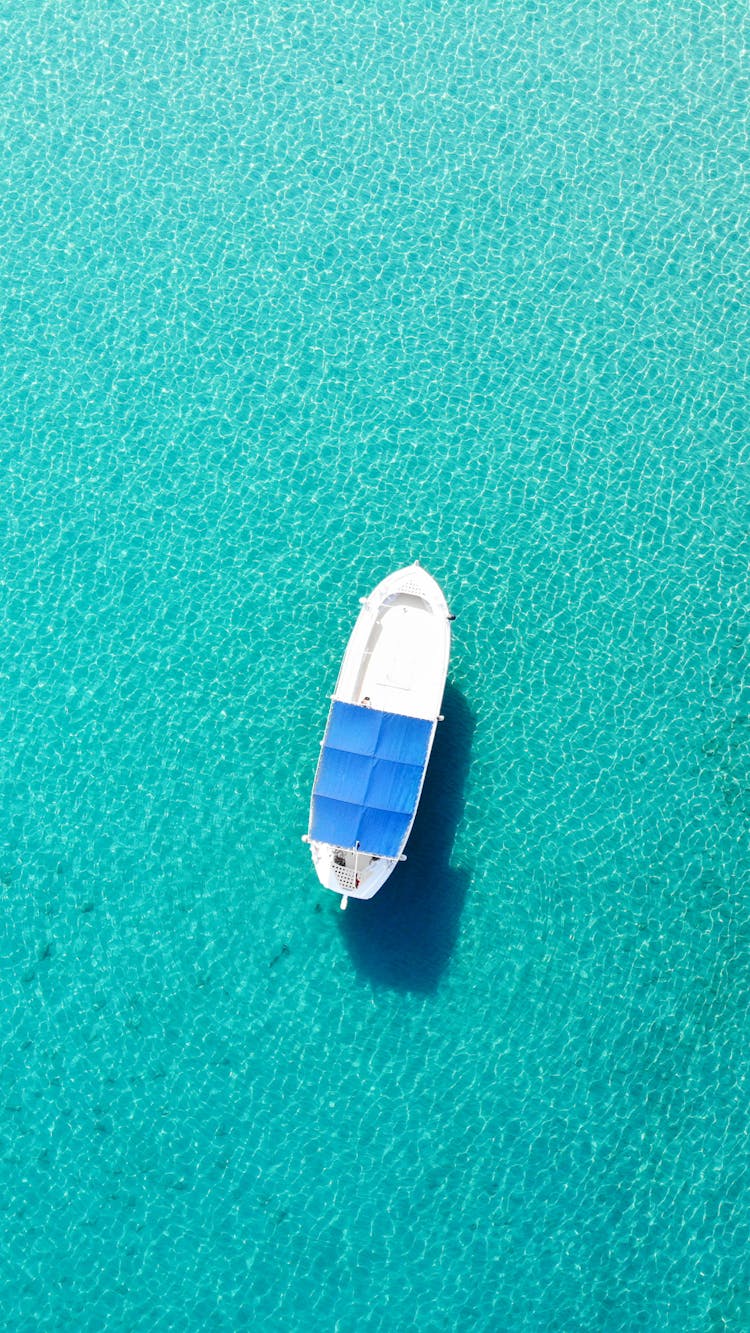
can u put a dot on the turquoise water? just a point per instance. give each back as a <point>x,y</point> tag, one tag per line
<point>292,296</point>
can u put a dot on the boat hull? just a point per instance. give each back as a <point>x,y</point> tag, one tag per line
<point>395,665</point>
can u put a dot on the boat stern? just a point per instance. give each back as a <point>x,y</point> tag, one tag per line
<point>349,872</point>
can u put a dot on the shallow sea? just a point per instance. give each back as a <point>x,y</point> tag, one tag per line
<point>292,295</point>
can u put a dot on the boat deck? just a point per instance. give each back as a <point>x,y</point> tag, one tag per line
<point>402,669</point>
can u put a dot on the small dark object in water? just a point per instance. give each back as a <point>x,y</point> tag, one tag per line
<point>284,950</point>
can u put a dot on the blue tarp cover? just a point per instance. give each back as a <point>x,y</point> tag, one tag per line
<point>368,780</point>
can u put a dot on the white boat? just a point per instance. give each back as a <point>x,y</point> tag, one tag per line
<point>378,739</point>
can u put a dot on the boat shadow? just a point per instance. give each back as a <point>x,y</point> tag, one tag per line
<point>404,936</point>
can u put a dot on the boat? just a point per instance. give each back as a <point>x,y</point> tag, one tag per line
<point>381,726</point>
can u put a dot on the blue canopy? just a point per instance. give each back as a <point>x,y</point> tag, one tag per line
<point>369,777</point>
